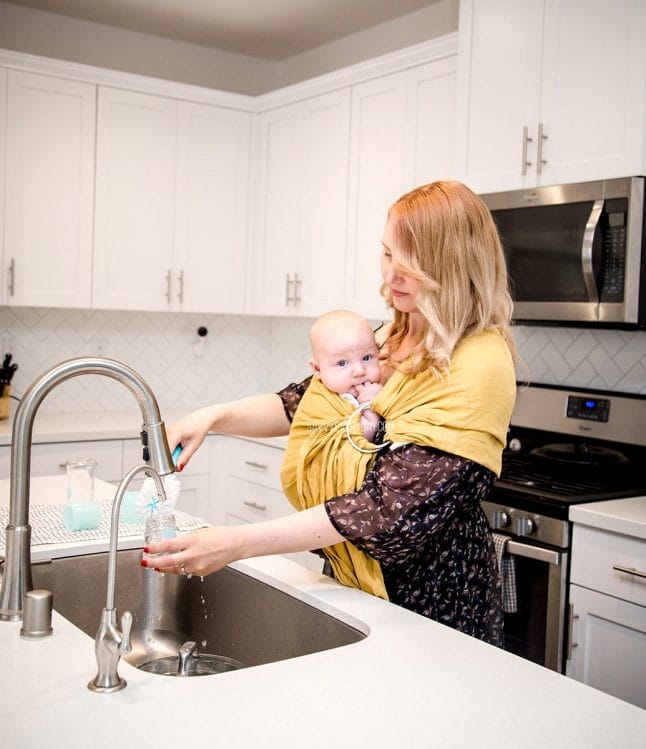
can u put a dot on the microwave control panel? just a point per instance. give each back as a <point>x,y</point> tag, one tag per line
<point>614,252</point>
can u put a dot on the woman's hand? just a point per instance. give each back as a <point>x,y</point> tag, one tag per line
<point>190,431</point>
<point>209,549</point>
<point>198,553</point>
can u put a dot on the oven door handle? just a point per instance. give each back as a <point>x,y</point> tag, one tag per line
<point>533,552</point>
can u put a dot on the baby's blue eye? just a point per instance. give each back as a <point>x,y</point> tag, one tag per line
<point>341,363</point>
<point>367,357</point>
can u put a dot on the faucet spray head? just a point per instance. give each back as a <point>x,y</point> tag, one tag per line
<point>155,448</point>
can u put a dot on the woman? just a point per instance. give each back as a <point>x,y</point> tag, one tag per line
<point>449,388</point>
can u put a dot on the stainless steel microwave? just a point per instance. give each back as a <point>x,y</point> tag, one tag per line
<point>576,253</point>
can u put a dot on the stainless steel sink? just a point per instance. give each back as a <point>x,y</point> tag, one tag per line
<point>227,613</point>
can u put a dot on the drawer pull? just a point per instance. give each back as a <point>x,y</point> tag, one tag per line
<point>629,570</point>
<point>254,464</point>
<point>256,506</point>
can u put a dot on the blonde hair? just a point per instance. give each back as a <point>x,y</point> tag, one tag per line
<point>445,238</point>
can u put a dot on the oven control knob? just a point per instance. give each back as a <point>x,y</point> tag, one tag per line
<point>500,519</point>
<point>523,526</point>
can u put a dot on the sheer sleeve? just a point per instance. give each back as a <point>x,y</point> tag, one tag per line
<point>412,495</point>
<point>291,396</point>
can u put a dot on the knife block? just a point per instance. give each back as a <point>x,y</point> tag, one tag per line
<point>4,402</point>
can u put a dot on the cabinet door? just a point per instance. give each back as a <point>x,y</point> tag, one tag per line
<point>212,184</point>
<point>593,90</point>
<point>48,458</point>
<point>323,202</point>
<point>277,199</point>
<point>499,62</point>
<point>49,190</point>
<point>135,200</point>
<point>431,121</point>
<point>377,178</point>
<point>609,645</point>
<point>4,76</point>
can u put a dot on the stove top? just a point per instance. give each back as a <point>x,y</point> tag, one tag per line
<point>571,446</point>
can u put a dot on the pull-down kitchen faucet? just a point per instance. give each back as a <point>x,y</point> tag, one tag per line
<point>17,573</point>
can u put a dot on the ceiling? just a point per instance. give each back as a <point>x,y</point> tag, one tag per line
<point>270,29</point>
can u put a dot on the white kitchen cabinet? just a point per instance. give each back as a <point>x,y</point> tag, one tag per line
<point>48,458</point>
<point>608,609</point>
<point>549,92</point>
<point>302,186</point>
<point>49,190</point>
<point>402,137</point>
<point>247,487</point>
<point>171,204</point>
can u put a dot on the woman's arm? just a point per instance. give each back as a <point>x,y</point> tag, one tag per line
<point>209,549</point>
<point>256,416</point>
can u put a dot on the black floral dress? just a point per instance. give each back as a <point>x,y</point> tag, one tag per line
<point>418,513</point>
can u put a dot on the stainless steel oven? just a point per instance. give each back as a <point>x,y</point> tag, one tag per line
<point>565,447</point>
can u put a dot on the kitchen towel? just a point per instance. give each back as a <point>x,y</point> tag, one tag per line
<point>507,572</point>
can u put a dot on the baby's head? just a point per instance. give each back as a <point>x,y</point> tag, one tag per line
<point>344,351</point>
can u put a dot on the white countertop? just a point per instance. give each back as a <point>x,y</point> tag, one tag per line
<point>625,516</point>
<point>410,683</point>
<point>107,425</point>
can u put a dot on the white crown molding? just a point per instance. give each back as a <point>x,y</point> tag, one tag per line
<point>392,62</point>
<point>130,81</point>
<point>418,54</point>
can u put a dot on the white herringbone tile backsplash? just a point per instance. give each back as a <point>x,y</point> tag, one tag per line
<point>244,355</point>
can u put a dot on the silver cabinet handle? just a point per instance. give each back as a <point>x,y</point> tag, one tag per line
<point>256,506</point>
<point>540,161</point>
<point>629,570</point>
<point>12,277</point>
<point>586,250</point>
<point>526,141</point>
<point>571,645</point>
<point>254,464</point>
<point>169,282</point>
<point>289,299</point>
<point>297,290</point>
<point>180,280</point>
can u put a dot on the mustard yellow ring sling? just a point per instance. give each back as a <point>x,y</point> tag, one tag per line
<point>466,412</point>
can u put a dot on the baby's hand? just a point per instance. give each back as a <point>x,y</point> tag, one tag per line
<point>366,391</point>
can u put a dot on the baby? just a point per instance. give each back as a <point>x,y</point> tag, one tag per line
<point>346,359</point>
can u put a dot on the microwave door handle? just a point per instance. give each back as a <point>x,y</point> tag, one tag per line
<point>587,265</point>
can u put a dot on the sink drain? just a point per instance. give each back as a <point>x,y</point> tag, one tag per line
<point>188,662</point>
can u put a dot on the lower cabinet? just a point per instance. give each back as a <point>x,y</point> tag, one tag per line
<point>247,487</point>
<point>48,459</point>
<point>609,644</point>
<point>608,609</point>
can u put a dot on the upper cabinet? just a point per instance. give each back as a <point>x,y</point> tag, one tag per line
<point>549,92</point>
<point>329,166</point>
<point>171,204</point>
<point>49,190</point>
<point>303,153</point>
<point>402,137</point>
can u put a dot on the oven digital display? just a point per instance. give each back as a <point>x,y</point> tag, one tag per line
<point>592,409</point>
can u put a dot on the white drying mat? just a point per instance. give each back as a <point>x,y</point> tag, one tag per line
<point>47,525</point>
